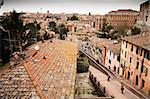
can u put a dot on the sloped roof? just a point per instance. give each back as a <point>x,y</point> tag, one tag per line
<point>139,40</point>
<point>15,83</point>
<point>50,78</point>
<point>109,44</point>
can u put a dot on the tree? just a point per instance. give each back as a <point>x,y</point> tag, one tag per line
<point>52,26</point>
<point>62,31</point>
<point>114,35</point>
<point>12,34</point>
<point>34,28</point>
<point>135,30</point>
<point>46,35</point>
<point>13,24</point>
<point>108,28</point>
<point>82,65</point>
<point>89,13</point>
<point>74,18</point>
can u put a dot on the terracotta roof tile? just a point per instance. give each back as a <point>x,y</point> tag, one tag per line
<point>109,44</point>
<point>48,78</point>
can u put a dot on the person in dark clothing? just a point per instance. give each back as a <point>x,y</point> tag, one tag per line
<point>122,89</point>
<point>108,78</point>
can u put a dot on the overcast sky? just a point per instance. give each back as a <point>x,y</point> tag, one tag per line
<point>70,6</point>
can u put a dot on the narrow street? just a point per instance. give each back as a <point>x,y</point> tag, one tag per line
<point>112,86</point>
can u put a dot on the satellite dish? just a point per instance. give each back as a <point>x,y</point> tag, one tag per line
<point>37,47</point>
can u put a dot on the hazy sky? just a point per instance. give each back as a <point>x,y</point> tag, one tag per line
<point>70,6</point>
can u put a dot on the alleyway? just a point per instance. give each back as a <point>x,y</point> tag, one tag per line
<point>112,86</point>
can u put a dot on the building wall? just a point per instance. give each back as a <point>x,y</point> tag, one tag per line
<point>122,55</point>
<point>133,64</point>
<point>99,55</point>
<point>122,20</point>
<point>146,76</point>
<point>95,21</point>
<point>111,61</point>
<point>103,56</point>
<point>99,22</point>
<point>144,15</point>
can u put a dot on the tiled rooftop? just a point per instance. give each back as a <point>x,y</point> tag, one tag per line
<point>109,44</point>
<point>50,78</point>
<point>139,40</point>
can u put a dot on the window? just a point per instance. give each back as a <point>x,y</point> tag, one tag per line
<point>146,71</point>
<point>132,48</point>
<point>124,63</point>
<point>137,80</point>
<point>126,44</point>
<point>118,58</point>
<point>125,54</point>
<point>118,70</point>
<point>143,83</point>
<point>141,52</point>
<point>122,50</point>
<point>114,56</point>
<point>142,68</point>
<point>137,65</point>
<point>128,77</point>
<point>137,49</point>
<point>114,68</point>
<point>147,54</point>
<point>109,61</point>
<point>130,59</point>
<point>146,17</point>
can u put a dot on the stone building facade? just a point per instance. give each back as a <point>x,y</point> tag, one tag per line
<point>143,19</point>
<point>122,20</point>
<point>135,61</point>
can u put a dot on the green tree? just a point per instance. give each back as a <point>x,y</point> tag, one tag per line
<point>14,25</point>
<point>89,13</point>
<point>108,28</point>
<point>34,28</point>
<point>82,65</point>
<point>62,31</point>
<point>74,18</point>
<point>52,26</point>
<point>114,35</point>
<point>135,30</point>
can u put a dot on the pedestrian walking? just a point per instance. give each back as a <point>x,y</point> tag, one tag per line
<point>108,78</point>
<point>122,89</point>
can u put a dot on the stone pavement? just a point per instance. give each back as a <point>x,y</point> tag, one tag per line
<point>52,77</point>
<point>112,86</point>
